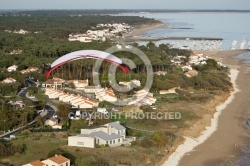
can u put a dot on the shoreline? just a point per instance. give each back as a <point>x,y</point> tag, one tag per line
<point>137,31</point>
<point>190,143</point>
<point>146,27</point>
<point>195,131</point>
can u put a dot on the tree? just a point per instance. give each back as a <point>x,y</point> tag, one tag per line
<point>63,110</point>
<point>40,121</point>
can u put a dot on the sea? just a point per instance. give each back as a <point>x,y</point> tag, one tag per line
<point>232,27</point>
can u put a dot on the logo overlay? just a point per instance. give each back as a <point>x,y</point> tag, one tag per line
<point>131,65</point>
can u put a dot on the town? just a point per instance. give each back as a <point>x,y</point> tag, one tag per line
<point>53,112</point>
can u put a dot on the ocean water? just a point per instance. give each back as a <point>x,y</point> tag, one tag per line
<point>244,56</point>
<point>228,26</point>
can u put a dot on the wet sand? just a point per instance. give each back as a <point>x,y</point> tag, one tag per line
<point>223,146</point>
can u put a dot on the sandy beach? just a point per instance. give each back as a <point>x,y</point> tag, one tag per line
<point>137,31</point>
<point>223,138</point>
<point>147,27</point>
<point>217,138</point>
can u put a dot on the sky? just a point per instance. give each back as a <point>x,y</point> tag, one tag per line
<point>125,4</point>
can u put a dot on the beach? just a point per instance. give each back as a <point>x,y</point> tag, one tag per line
<point>216,139</point>
<point>137,31</point>
<point>221,141</point>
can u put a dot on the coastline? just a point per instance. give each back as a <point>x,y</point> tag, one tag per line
<point>137,31</point>
<point>190,143</point>
<point>146,27</point>
<point>219,107</point>
<point>185,150</point>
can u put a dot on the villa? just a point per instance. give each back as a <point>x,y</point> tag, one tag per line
<point>112,134</point>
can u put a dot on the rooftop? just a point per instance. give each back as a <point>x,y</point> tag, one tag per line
<point>37,163</point>
<point>105,136</point>
<point>59,159</point>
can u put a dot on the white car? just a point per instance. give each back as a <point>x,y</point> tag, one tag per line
<point>103,110</point>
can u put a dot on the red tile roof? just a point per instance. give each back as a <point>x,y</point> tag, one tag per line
<point>59,159</point>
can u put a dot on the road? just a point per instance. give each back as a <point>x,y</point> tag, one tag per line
<point>50,108</point>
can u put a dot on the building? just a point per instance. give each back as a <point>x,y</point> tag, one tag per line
<point>30,69</point>
<point>12,68</point>
<point>159,73</point>
<point>79,84</point>
<point>169,91</point>
<point>142,97</point>
<point>51,122</point>
<point>131,84</point>
<point>91,89</point>
<point>112,134</point>
<point>191,73</point>
<point>16,52</point>
<point>57,160</point>
<point>21,31</point>
<point>76,101</point>
<point>106,95</point>
<point>55,83</point>
<point>9,80</point>
<point>187,68</point>
<point>17,104</point>
<point>53,94</point>
<point>35,163</point>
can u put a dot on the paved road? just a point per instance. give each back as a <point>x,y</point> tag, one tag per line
<point>31,82</point>
<point>51,109</point>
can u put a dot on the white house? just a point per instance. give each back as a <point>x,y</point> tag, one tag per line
<point>131,84</point>
<point>112,134</point>
<point>161,73</point>
<point>12,68</point>
<point>57,160</point>
<point>106,95</point>
<point>186,68</point>
<point>54,83</point>
<point>142,97</point>
<point>53,94</point>
<point>86,104</point>
<point>9,80</point>
<point>53,122</point>
<point>75,100</point>
<point>79,84</point>
<point>30,69</point>
<point>21,31</point>
<point>17,104</point>
<point>169,91</point>
<point>91,89</point>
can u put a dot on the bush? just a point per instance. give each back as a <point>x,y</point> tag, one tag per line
<point>106,145</point>
<point>147,143</point>
<point>133,143</point>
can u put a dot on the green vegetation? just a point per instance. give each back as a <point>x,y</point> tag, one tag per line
<point>40,49</point>
<point>7,149</point>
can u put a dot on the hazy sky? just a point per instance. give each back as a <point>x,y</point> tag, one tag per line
<point>125,4</point>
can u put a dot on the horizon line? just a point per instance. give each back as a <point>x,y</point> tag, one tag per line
<point>142,9</point>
